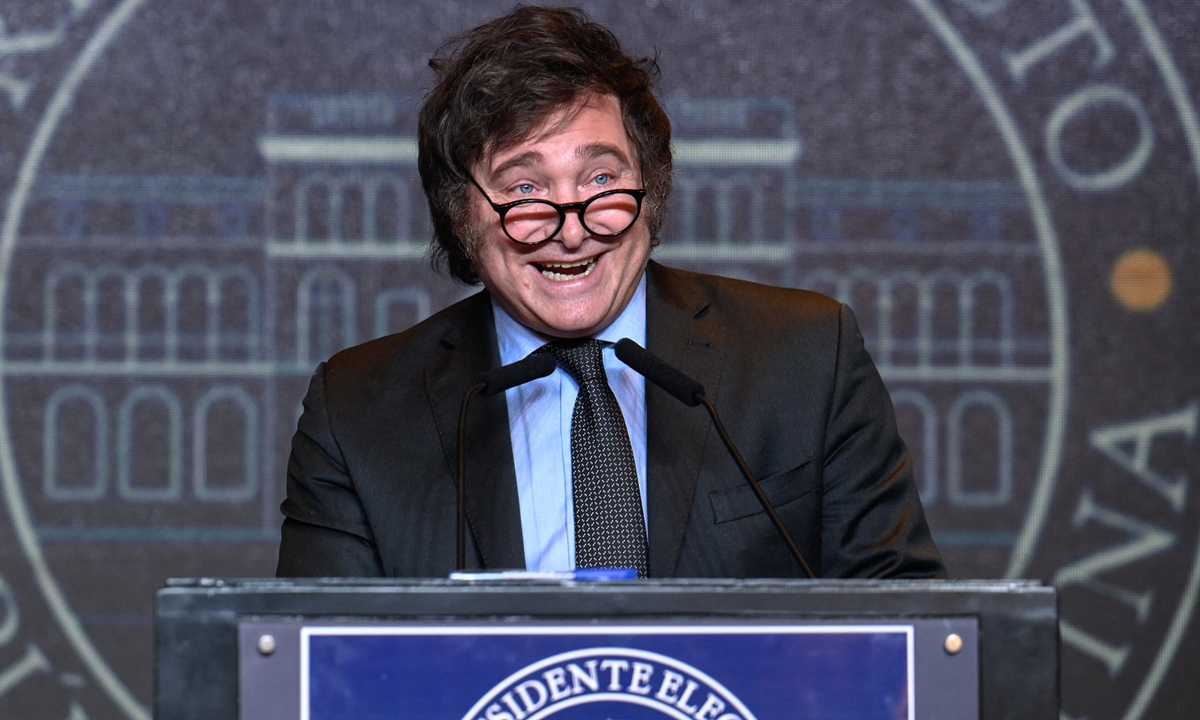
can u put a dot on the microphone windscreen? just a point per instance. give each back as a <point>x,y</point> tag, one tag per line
<point>658,372</point>
<point>535,366</point>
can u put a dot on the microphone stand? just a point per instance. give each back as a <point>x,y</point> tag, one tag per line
<point>758,491</point>
<point>691,393</point>
<point>494,381</point>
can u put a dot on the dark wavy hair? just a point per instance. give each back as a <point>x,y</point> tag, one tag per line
<point>499,82</point>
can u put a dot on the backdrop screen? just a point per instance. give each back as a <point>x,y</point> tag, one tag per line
<point>201,201</point>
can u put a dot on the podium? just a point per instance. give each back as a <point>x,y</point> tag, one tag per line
<point>632,650</point>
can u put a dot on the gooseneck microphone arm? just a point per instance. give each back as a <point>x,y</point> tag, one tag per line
<point>754,485</point>
<point>691,393</point>
<point>490,383</point>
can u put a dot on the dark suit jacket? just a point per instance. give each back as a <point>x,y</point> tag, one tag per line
<point>371,483</point>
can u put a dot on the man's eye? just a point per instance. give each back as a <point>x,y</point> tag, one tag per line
<point>602,179</point>
<point>524,189</point>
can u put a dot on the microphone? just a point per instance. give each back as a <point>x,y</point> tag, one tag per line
<point>492,382</point>
<point>536,365</point>
<point>652,367</point>
<point>691,393</point>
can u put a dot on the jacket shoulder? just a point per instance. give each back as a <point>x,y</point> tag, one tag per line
<point>752,306</point>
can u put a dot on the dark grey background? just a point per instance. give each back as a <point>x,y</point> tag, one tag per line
<point>163,262</point>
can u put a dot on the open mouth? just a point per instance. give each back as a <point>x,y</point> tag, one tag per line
<point>566,271</point>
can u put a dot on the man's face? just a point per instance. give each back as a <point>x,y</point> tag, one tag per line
<point>575,284</point>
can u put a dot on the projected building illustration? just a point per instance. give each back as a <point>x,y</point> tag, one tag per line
<point>167,326</point>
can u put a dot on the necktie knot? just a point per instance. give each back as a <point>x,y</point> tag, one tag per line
<point>582,359</point>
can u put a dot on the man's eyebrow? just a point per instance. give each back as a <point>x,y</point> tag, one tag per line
<point>532,157</point>
<point>599,149</point>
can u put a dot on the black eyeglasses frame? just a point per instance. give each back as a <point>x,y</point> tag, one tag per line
<point>502,210</point>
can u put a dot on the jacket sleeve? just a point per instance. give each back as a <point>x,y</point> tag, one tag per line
<point>325,530</point>
<point>873,524</point>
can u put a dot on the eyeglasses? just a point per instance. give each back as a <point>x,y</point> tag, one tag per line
<point>533,222</point>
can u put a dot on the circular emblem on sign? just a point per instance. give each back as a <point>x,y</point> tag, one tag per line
<point>590,683</point>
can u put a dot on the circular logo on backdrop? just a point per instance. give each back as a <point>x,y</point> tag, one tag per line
<point>597,682</point>
<point>1004,198</point>
<point>1088,106</point>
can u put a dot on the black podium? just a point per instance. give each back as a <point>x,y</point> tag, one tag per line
<point>527,650</point>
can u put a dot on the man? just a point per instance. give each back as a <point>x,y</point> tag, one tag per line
<point>547,163</point>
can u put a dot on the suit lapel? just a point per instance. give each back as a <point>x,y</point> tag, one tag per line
<point>676,433</point>
<point>492,505</point>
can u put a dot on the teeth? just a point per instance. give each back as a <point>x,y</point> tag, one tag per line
<point>548,269</point>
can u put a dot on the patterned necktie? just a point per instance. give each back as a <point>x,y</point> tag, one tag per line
<point>610,530</point>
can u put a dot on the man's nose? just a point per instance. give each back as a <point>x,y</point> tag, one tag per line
<point>573,233</point>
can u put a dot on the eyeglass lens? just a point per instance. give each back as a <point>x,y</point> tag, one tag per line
<point>536,222</point>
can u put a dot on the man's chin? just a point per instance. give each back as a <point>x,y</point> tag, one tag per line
<point>570,325</point>
<point>568,332</point>
<point>572,311</point>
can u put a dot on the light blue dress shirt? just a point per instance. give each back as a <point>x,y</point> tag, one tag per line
<point>539,421</point>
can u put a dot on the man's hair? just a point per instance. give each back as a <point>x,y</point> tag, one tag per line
<point>500,82</point>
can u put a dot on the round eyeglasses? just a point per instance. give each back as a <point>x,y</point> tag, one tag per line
<point>533,222</point>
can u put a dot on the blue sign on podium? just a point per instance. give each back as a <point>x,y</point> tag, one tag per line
<point>607,672</point>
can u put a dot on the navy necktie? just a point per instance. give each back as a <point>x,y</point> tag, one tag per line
<point>610,529</point>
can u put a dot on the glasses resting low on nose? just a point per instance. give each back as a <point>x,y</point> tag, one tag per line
<point>534,221</point>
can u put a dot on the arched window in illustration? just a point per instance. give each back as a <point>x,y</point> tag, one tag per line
<point>982,419</point>
<point>917,419</point>
<point>111,309</point>
<point>945,319</point>
<point>775,222</point>
<point>75,445</point>
<point>991,319</point>
<point>313,209</point>
<point>68,329</point>
<point>705,220</point>
<point>398,309</point>
<point>674,226</point>
<point>325,313</point>
<point>282,213</point>
<point>351,216</point>
<point>150,446</point>
<point>389,213</point>
<point>384,219</point>
<point>237,334</point>
<point>740,210</point>
<point>155,309</point>
<point>225,446</point>
<point>694,216</point>
<point>902,298</point>
<point>194,310</point>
